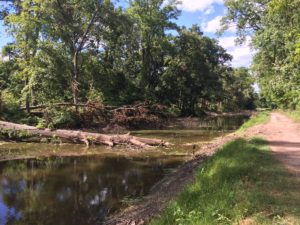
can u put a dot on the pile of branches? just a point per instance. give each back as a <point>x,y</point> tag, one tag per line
<point>93,114</point>
<point>139,115</point>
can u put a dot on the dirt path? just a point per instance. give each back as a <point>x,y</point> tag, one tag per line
<point>284,138</point>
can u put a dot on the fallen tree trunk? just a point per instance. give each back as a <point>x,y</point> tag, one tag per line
<point>81,137</point>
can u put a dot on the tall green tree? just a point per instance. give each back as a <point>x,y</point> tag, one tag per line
<point>79,51</point>
<point>154,19</point>
<point>246,15</point>
<point>240,92</point>
<point>193,75</point>
<point>66,27</point>
<point>275,34</point>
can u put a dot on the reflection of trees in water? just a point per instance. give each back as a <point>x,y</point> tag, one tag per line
<point>74,190</point>
<point>210,123</point>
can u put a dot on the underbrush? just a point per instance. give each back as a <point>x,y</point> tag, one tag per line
<point>242,184</point>
<point>89,115</point>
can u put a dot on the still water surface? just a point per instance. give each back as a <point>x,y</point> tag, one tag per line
<point>86,189</point>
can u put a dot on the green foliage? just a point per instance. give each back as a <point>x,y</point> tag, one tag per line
<point>240,93</point>
<point>55,117</point>
<point>242,182</point>
<point>198,76</point>
<point>15,135</point>
<point>41,124</point>
<point>274,27</point>
<point>173,111</point>
<point>11,103</point>
<point>153,19</point>
<point>80,51</point>
<point>246,15</point>
<point>10,107</point>
<point>95,95</point>
<point>293,114</point>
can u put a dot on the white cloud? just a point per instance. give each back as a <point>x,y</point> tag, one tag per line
<point>209,10</point>
<point>198,5</point>
<point>227,42</point>
<point>214,25</point>
<point>242,55</point>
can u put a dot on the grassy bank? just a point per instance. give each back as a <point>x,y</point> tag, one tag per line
<point>292,114</point>
<point>241,184</point>
<point>262,117</point>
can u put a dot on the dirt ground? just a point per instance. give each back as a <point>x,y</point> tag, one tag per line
<point>283,136</point>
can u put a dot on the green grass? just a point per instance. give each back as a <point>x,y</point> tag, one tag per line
<point>293,114</point>
<point>241,184</point>
<point>262,117</point>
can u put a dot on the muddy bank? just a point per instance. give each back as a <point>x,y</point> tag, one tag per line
<point>167,189</point>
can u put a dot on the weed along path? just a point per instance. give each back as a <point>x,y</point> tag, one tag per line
<point>283,136</point>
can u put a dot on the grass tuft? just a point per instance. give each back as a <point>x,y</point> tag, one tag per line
<point>241,184</point>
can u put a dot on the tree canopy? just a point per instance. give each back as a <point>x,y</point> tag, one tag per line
<point>274,27</point>
<point>79,51</point>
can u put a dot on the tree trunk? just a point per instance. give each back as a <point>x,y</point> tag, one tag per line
<point>27,97</point>
<point>27,103</point>
<point>75,78</point>
<point>1,104</point>
<point>81,137</point>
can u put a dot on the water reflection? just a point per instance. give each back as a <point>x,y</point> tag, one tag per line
<point>74,190</point>
<point>208,123</point>
<point>84,190</point>
<point>194,131</point>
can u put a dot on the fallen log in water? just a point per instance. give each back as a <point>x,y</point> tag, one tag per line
<point>81,137</point>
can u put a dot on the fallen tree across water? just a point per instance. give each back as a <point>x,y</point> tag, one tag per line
<point>79,136</point>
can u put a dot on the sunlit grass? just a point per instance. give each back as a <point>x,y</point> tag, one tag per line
<point>293,114</point>
<point>242,184</point>
<point>260,118</point>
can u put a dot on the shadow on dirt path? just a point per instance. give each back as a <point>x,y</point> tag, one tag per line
<point>283,136</point>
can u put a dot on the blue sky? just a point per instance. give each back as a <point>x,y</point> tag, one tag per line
<point>207,14</point>
<point>4,38</point>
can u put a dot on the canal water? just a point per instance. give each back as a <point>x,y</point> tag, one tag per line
<point>84,188</point>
